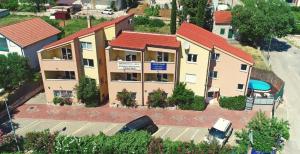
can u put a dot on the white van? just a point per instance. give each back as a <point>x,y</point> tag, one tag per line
<point>221,131</point>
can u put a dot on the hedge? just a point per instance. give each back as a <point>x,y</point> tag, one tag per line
<point>233,103</point>
<point>197,105</point>
<point>146,21</point>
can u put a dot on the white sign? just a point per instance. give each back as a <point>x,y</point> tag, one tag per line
<point>129,65</point>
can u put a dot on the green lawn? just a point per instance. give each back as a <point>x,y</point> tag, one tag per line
<point>12,19</point>
<point>162,30</point>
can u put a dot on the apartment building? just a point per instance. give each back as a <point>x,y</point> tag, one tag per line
<point>210,66</point>
<point>141,63</point>
<point>119,58</point>
<point>81,54</point>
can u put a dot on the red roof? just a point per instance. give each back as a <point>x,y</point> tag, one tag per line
<point>211,40</point>
<point>222,17</point>
<point>29,32</point>
<point>88,31</point>
<point>139,41</point>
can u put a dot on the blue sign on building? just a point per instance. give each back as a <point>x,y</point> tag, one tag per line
<point>158,66</point>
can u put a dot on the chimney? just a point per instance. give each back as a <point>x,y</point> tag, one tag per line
<point>188,18</point>
<point>89,23</point>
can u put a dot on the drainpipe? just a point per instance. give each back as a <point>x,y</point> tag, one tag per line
<point>143,88</point>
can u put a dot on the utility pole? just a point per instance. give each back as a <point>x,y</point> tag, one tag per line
<point>11,124</point>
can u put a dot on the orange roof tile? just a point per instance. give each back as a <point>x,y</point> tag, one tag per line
<point>29,32</point>
<point>222,17</point>
<point>88,31</point>
<point>210,40</point>
<point>139,41</point>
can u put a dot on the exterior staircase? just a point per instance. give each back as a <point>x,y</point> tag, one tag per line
<point>249,103</point>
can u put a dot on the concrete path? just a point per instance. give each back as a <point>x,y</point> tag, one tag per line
<point>286,65</point>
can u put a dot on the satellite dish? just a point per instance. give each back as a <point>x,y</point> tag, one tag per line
<point>186,45</point>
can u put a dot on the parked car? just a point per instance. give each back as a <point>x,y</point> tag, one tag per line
<point>141,123</point>
<point>221,131</point>
<point>108,11</point>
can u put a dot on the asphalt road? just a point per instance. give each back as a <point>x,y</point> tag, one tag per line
<point>286,64</point>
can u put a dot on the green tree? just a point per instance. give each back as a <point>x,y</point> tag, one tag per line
<point>88,92</point>
<point>39,4</point>
<point>173,17</point>
<point>11,5</point>
<point>14,70</point>
<point>126,98</point>
<point>201,10</point>
<point>182,95</point>
<point>266,133</point>
<point>157,98</point>
<point>257,20</point>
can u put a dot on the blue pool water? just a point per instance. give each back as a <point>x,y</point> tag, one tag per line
<point>259,85</point>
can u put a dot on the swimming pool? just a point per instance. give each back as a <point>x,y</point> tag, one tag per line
<point>259,85</point>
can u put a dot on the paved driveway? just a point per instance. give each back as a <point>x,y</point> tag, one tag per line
<point>286,65</point>
<point>82,128</point>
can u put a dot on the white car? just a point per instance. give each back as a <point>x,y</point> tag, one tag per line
<point>108,11</point>
<point>221,131</point>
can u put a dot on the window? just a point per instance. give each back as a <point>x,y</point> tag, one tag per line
<point>70,75</point>
<point>191,78</point>
<point>63,93</point>
<point>222,31</point>
<point>215,56</point>
<point>192,58</point>
<point>88,62</point>
<point>162,57</point>
<point>131,77</point>
<point>162,77</point>
<point>230,33</point>
<point>240,86</point>
<point>210,94</point>
<point>66,53</point>
<point>213,74</point>
<point>244,67</point>
<point>131,56</point>
<point>3,44</point>
<point>86,45</point>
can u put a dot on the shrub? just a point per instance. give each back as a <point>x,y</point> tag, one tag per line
<point>156,23</point>
<point>198,104</point>
<point>157,98</point>
<point>182,95</point>
<point>58,100</point>
<point>11,5</point>
<point>233,103</point>
<point>155,146</point>
<point>141,20</point>
<point>88,92</point>
<point>8,143</point>
<point>41,142</point>
<point>152,11</point>
<point>126,98</point>
<point>113,5</point>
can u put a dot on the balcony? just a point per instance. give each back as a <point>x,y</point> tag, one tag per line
<point>58,54</point>
<point>117,55</point>
<point>162,62</point>
<point>59,75</point>
<point>125,77</point>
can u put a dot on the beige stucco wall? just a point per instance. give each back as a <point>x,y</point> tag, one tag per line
<point>59,65</point>
<point>217,30</point>
<point>199,68</point>
<point>229,74</point>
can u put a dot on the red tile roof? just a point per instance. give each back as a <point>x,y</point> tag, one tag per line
<point>139,41</point>
<point>210,40</point>
<point>88,31</point>
<point>222,17</point>
<point>29,32</point>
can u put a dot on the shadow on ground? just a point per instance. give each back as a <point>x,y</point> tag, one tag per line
<point>276,46</point>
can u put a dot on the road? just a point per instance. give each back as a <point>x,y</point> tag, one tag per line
<point>286,65</point>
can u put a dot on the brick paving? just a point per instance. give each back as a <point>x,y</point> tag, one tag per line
<point>123,115</point>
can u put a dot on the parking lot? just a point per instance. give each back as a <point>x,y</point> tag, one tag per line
<point>81,128</point>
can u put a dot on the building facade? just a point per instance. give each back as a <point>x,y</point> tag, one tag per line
<point>27,38</point>
<point>222,24</point>
<point>80,54</point>
<point>118,58</point>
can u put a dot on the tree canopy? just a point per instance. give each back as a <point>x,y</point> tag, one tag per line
<point>257,20</point>
<point>173,17</point>
<point>14,70</point>
<point>88,92</point>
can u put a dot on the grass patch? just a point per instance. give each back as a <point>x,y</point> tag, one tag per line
<point>12,19</point>
<point>257,56</point>
<point>74,25</point>
<point>144,28</point>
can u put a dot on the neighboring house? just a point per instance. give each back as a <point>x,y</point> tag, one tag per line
<point>143,62</point>
<point>26,38</point>
<point>3,13</point>
<point>102,4</point>
<point>161,3</point>
<point>210,66</point>
<point>293,2</point>
<point>83,53</point>
<point>222,24</point>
